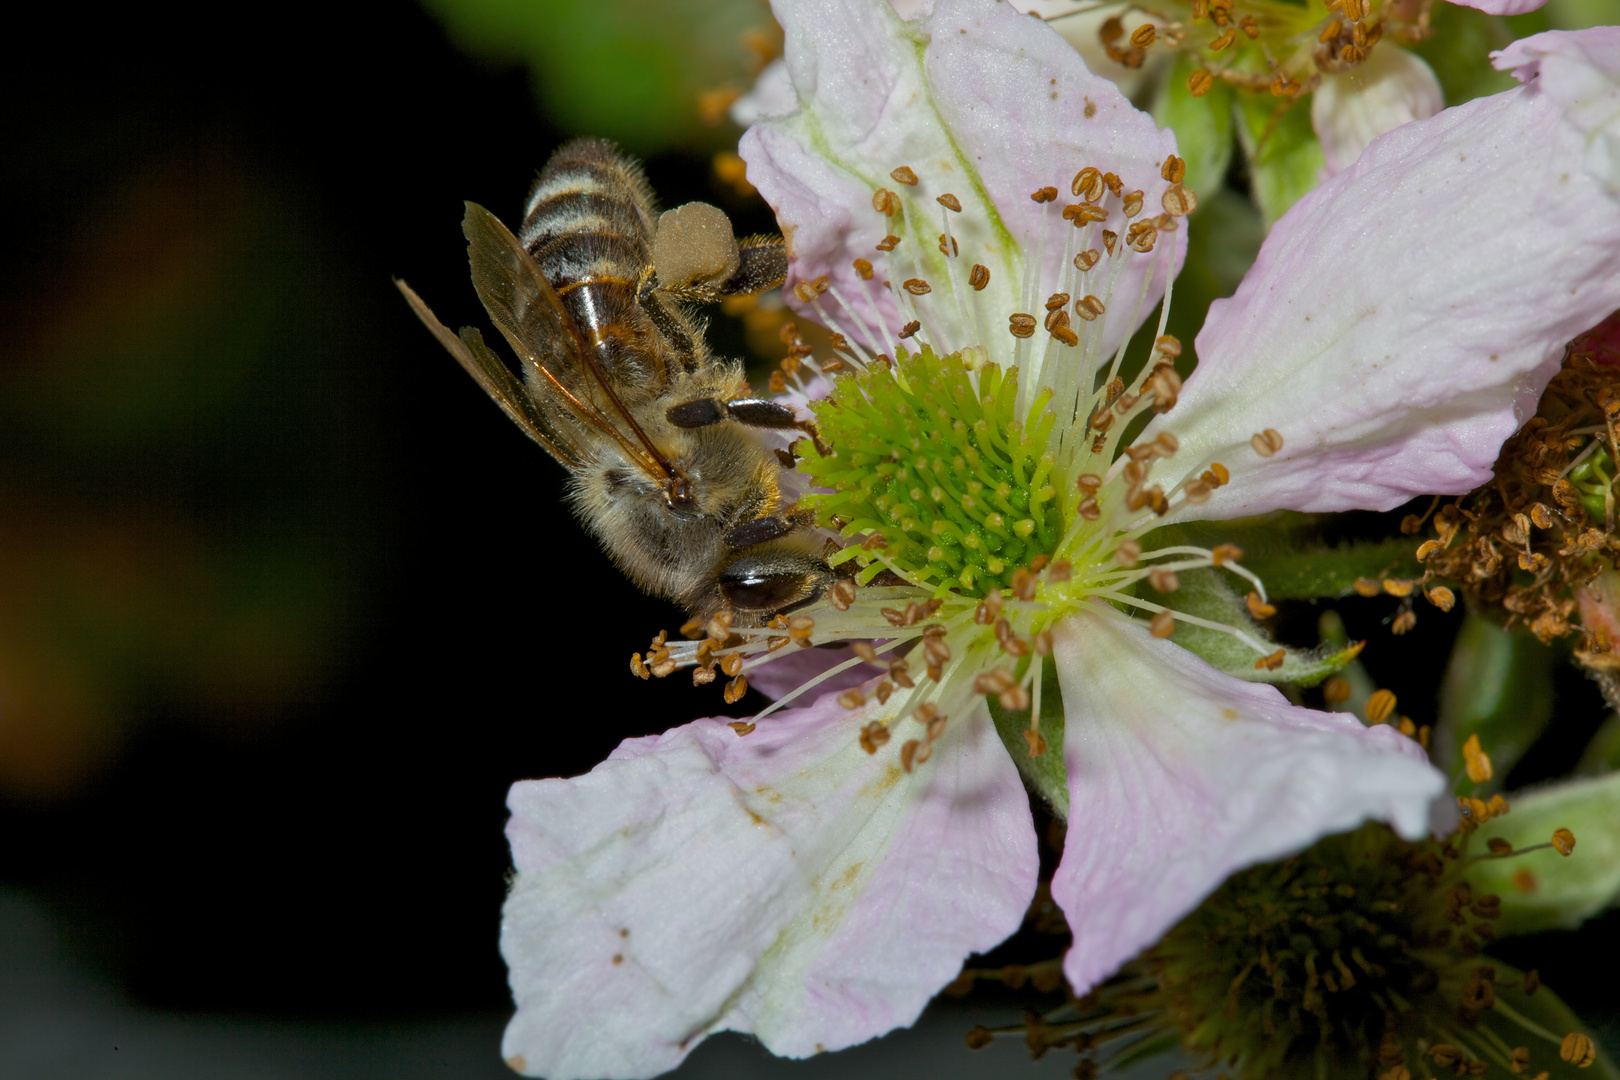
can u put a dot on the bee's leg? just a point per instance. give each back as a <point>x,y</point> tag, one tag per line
<point>754,412</point>
<point>647,289</point>
<point>765,529</point>
<point>763,265</point>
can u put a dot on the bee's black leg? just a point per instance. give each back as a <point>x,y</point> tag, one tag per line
<point>765,529</point>
<point>763,266</point>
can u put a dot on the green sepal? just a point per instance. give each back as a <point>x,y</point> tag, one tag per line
<point>1045,774</point>
<point>1203,127</point>
<point>1207,594</point>
<point>1555,891</point>
<point>1498,685</point>
<point>1547,1011</point>
<point>1284,155</point>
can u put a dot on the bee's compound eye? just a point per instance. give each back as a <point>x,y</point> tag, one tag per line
<point>769,591</point>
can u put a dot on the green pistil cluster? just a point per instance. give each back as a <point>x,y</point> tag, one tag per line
<point>1362,951</point>
<point>947,475</point>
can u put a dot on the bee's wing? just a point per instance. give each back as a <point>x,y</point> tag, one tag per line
<point>496,379</point>
<point>528,313</point>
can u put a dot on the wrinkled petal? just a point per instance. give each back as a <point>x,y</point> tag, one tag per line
<point>771,96</point>
<point>1502,7</point>
<point>1180,775</point>
<point>1579,70</point>
<point>979,102</point>
<point>1350,110</point>
<point>784,883</point>
<point>1402,319</point>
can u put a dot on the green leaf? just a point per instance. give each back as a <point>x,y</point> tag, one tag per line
<point>1459,52</point>
<point>1319,572</point>
<point>1207,595</point>
<point>617,68</point>
<point>1045,774</point>
<point>1284,155</point>
<point>1545,890</point>
<point>1203,127</point>
<point>1539,1022</point>
<point>1498,685</point>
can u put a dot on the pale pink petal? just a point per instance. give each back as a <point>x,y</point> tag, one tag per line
<point>792,667</point>
<point>1502,7</point>
<point>1402,319</point>
<point>1350,110</point>
<point>1179,775</point>
<point>979,102</point>
<point>1579,70</point>
<point>784,883</point>
<point>771,95</point>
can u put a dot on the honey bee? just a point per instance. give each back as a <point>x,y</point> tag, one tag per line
<point>671,467</point>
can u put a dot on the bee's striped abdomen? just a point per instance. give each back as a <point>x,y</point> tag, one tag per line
<point>589,223</point>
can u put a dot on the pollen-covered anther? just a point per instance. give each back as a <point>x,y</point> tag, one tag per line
<point>1271,662</point>
<point>874,735</point>
<point>948,246</point>
<point>995,681</point>
<point>1014,699</point>
<point>863,267</point>
<point>1163,624</point>
<point>800,627</point>
<point>1021,325</point>
<point>1200,83</point>
<point>1025,584</point>
<point>842,594</point>
<point>909,329</point>
<point>1165,386</point>
<point>950,202</point>
<point>1178,201</point>
<point>1258,607</point>
<point>1477,762</point>
<point>908,753</point>
<point>1174,169</point>
<point>989,609</point>
<point>851,699</point>
<point>1110,239</point>
<point>1127,554</point>
<point>1563,841</point>
<point>886,203</point>
<point>1163,580</point>
<point>1399,587</point>
<point>1267,442</point>
<point>1141,236</point>
<point>1380,705</point>
<point>1087,259</point>
<point>1087,184</point>
<point>888,243</point>
<point>735,689</point>
<point>904,175</point>
<point>979,277</point>
<point>637,668</point>
<point>1336,691</point>
<point>900,672</point>
<point>1084,213</point>
<point>1010,643</point>
<point>732,663</point>
<point>703,676</point>
<point>917,287</point>
<point>1089,308</point>
<point>1578,1050</point>
<point>1044,195</point>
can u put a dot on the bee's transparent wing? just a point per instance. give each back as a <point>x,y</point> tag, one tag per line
<point>496,379</point>
<point>528,313</point>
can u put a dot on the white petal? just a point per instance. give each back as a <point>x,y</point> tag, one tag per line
<point>1351,109</point>
<point>771,96</point>
<point>1402,319</point>
<point>981,103</point>
<point>1579,70</point>
<point>1180,775</point>
<point>784,883</point>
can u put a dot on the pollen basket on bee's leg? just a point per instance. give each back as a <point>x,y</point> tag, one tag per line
<point>934,459</point>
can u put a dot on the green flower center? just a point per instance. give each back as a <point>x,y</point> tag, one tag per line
<point>956,483</point>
